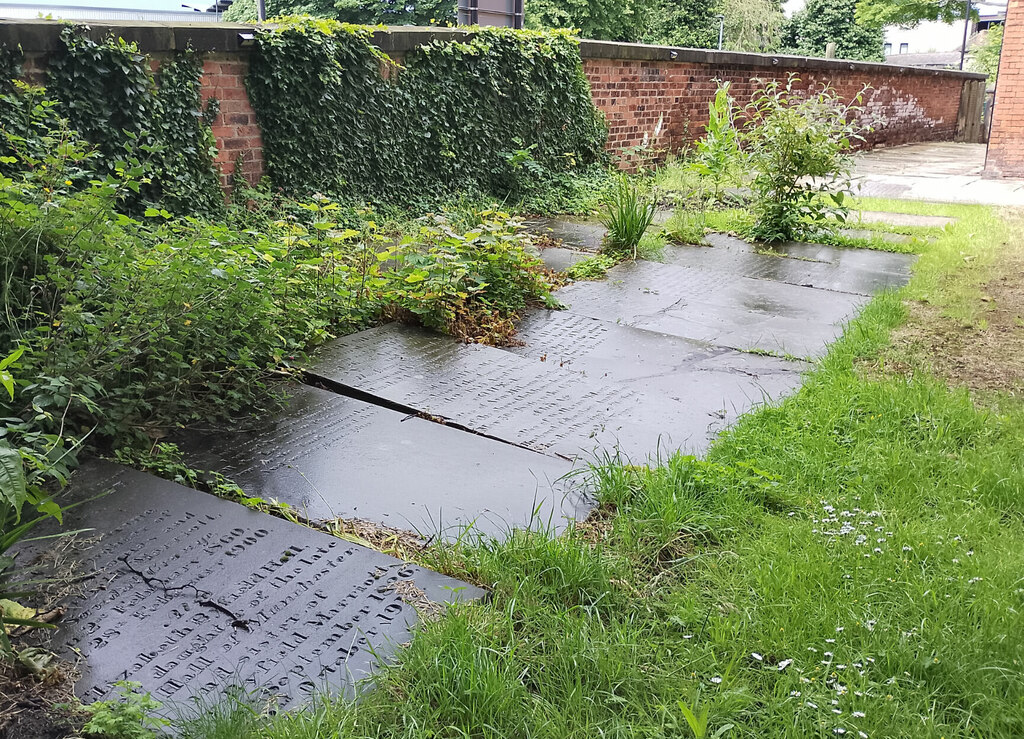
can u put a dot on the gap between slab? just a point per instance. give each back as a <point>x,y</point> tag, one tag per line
<point>348,391</point>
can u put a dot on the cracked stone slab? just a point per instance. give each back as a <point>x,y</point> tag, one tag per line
<point>503,395</point>
<point>888,269</point>
<point>700,376</point>
<point>331,456</point>
<point>193,594</point>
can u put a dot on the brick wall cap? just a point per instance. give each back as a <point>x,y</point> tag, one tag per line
<point>646,52</point>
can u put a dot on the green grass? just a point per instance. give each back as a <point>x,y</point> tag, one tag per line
<point>850,558</point>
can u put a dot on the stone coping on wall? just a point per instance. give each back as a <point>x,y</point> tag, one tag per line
<point>43,36</point>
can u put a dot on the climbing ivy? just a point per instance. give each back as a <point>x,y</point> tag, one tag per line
<point>109,94</point>
<point>502,112</point>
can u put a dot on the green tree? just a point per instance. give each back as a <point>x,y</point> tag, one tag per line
<point>908,12</point>
<point>609,20</point>
<point>985,57</point>
<point>691,23</point>
<point>810,30</point>
<point>753,25</point>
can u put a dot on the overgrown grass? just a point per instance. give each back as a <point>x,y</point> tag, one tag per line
<point>846,562</point>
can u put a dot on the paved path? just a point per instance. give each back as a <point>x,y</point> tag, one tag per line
<point>410,429</point>
<point>940,172</point>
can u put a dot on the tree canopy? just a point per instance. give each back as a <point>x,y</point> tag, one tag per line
<point>908,12</point>
<point>810,31</point>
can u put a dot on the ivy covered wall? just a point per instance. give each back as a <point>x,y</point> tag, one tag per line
<point>498,111</point>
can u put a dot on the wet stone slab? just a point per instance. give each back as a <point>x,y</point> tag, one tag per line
<point>542,407</point>
<point>574,234</point>
<point>702,377</point>
<point>560,259</point>
<point>194,594</point>
<point>330,456</point>
<point>717,307</point>
<point>824,275</point>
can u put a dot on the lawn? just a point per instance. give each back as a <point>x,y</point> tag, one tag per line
<point>846,562</point>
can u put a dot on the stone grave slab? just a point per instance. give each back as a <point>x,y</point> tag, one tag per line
<point>193,594</point>
<point>713,306</point>
<point>331,456</point>
<point>860,271</point>
<point>635,289</point>
<point>560,259</point>
<point>700,375</point>
<point>500,394</point>
<point>779,268</point>
<point>574,234</point>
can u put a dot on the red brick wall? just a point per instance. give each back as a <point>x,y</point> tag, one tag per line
<point>239,141</point>
<point>666,102</point>
<point>1006,141</point>
<point>646,92</point>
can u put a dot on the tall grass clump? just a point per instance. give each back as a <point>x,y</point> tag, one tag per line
<point>628,215</point>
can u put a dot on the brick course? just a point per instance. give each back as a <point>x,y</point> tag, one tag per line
<point>1006,140</point>
<point>665,103</point>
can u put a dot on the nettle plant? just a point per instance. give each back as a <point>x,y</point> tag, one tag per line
<point>798,142</point>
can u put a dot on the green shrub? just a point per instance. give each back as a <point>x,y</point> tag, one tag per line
<point>628,215</point>
<point>108,93</point>
<point>798,142</point>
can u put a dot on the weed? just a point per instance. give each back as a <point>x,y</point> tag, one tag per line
<point>628,215</point>
<point>130,716</point>
<point>592,268</point>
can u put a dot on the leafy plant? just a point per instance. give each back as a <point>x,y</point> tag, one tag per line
<point>821,22</point>
<point>985,56</point>
<point>130,716</point>
<point>469,284</point>
<point>687,225</point>
<point>798,142</point>
<point>628,215</point>
<point>718,157</point>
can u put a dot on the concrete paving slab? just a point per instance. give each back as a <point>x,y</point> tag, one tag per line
<point>194,594</point>
<point>939,172</point>
<point>330,456</point>
<point>550,409</point>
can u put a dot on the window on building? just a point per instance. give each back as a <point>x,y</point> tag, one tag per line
<point>904,48</point>
<point>887,49</point>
